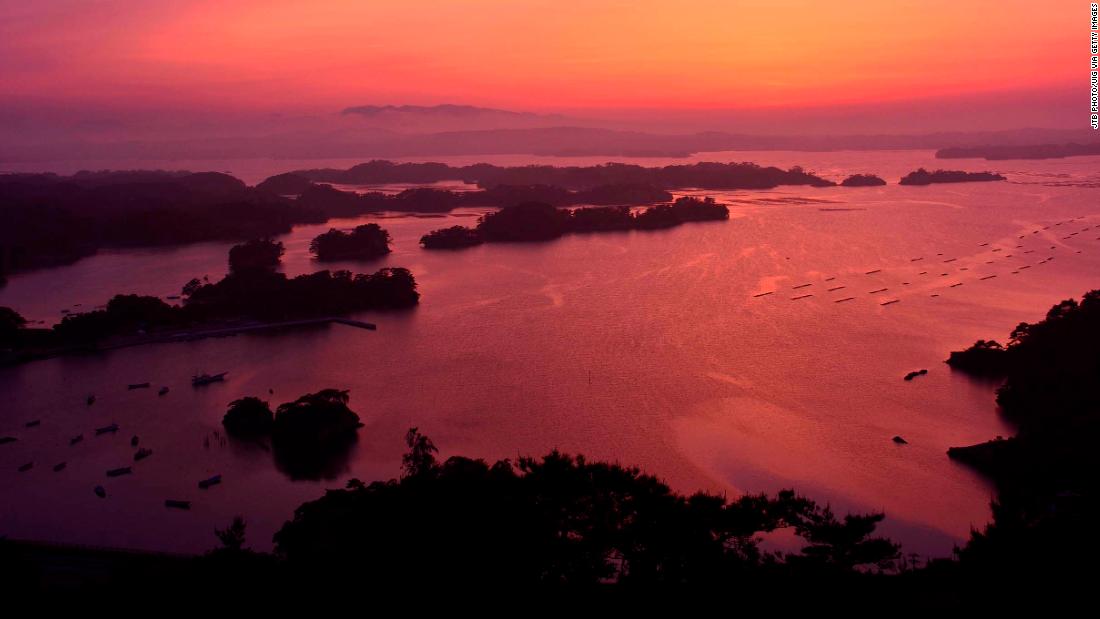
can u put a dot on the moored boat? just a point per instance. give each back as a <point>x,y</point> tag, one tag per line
<point>205,379</point>
<point>210,481</point>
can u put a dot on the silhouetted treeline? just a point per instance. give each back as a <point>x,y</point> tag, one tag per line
<point>699,175</point>
<point>1022,151</point>
<point>363,242</point>
<point>1048,474</point>
<point>248,417</point>
<point>50,220</point>
<point>559,520</point>
<point>924,177</point>
<point>862,180</point>
<point>535,221</point>
<point>260,295</point>
<point>256,293</point>
<point>276,296</point>
<point>430,200</point>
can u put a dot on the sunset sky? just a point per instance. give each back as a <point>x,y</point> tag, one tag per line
<point>533,54</point>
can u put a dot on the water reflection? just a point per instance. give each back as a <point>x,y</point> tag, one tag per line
<point>646,348</point>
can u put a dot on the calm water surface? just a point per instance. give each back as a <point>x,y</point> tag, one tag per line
<point>647,348</point>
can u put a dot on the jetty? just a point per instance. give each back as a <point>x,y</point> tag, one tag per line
<point>228,330</point>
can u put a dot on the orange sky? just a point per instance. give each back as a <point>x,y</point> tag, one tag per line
<point>534,54</point>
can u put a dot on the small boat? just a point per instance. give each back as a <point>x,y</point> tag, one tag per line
<point>4,440</point>
<point>900,441</point>
<point>122,470</point>
<point>873,271</point>
<point>163,391</point>
<point>91,400</point>
<point>762,294</point>
<point>173,504</point>
<point>172,297</point>
<point>142,454</point>
<point>105,429</point>
<point>76,439</point>
<point>205,379</point>
<point>134,441</point>
<point>890,302</point>
<point>26,467</point>
<point>60,466</point>
<point>133,386</point>
<point>804,296</point>
<point>210,481</point>
<point>100,492</point>
<point>32,424</point>
<point>915,373</point>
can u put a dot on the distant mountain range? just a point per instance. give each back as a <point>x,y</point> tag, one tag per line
<point>449,117</point>
<point>1026,151</point>
<point>411,131</point>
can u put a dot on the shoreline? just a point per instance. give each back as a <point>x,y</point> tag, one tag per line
<point>228,330</point>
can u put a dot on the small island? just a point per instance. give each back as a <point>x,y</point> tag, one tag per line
<point>862,180</point>
<point>536,221</point>
<point>310,435</point>
<point>455,237</point>
<point>924,177</point>
<point>361,243</point>
<point>1029,151</point>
